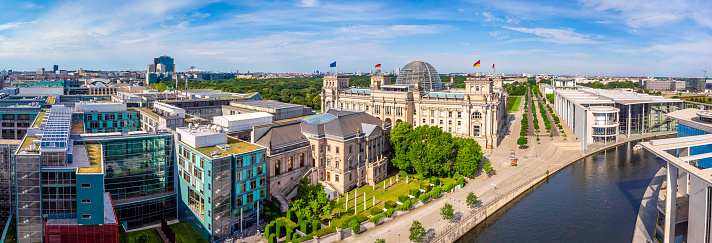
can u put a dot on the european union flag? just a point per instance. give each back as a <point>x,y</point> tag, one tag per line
<point>333,64</point>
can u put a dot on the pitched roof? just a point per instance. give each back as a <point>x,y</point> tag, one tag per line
<point>342,123</point>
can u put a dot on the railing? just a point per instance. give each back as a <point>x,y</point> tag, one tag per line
<point>472,218</point>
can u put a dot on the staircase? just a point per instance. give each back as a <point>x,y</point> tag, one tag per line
<point>288,189</point>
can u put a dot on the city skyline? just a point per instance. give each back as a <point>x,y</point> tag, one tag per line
<point>589,37</point>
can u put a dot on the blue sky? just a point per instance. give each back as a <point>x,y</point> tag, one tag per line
<point>590,37</point>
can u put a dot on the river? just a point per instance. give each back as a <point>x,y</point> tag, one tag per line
<point>593,200</point>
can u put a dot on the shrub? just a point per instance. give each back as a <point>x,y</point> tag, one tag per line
<point>435,192</point>
<point>390,212</point>
<point>325,231</point>
<point>345,222</point>
<point>390,204</point>
<point>460,180</point>
<point>360,218</point>
<point>402,174</point>
<point>296,235</point>
<point>315,225</point>
<point>448,186</point>
<point>435,181</point>
<point>272,238</point>
<point>425,186</point>
<point>424,197</point>
<point>415,193</point>
<point>280,231</point>
<point>355,226</point>
<point>402,198</point>
<point>375,210</point>
<point>376,218</point>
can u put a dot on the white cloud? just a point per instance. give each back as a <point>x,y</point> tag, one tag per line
<point>652,13</point>
<point>561,36</point>
<point>29,5</point>
<point>309,3</point>
<point>388,31</point>
<point>519,52</point>
<point>489,17</point>
<point>572,54</point>
<point>13,25</point>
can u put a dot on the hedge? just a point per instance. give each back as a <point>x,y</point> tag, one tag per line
<point>424,197</point>
<point>425,186</point>
<point>375,210</point>
<point>318,233</point>
<point>376,218</point>
<point>460,180</point>
<point>415,193</point>
<point>305,227</point>
<point>360,218</point>
<point>402,174</point>
<point>435,181</point>
<point>448,186</point>
<point>292,216</point>
<point>296,235</point>
<point>390,212</point>
<point>315,225</point>
<point>390,204</point>
<point>402,198</point>
<point>272,238</point>
<point>269,229</point>
<point>355,226</point>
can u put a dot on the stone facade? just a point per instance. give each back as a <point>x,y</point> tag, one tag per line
<point>477,111</point>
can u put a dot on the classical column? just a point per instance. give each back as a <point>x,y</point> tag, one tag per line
<point>670,204</point>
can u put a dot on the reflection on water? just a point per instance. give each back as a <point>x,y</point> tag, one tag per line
<point>594,200</point>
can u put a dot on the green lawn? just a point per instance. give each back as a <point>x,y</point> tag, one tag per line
<point>391,193</point>
<point>186,233</point>
<point>513,103</point>
<point>131,237</point>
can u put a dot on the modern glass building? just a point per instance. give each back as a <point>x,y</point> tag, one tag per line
<point>222,182</point>
<point>165,60</point>
<point>104,122</point>
<point>139,175</point>
<point>420,72</point>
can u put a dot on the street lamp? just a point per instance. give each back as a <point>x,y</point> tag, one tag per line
<point>398,237</point>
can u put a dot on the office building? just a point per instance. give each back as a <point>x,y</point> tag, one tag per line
<point>151,68</point>
<point>684,202</point>
<point>222,182</point>
<point>55,68</point>
<point>695,84</point>
<point>279,110</point>
<point>167,62</point>
<point>563,83</point>
<point>479,111</point>
<point>40,71</point>
<point>95,117</point>
<point>599,116</point>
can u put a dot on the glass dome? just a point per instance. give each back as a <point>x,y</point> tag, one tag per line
<point>420,71</point>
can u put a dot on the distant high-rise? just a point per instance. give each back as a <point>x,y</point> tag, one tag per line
<point>40,71</point>
<point>161,68</point>
<point>151,68</point>
<point>165,60</point>
<point>55,68</point>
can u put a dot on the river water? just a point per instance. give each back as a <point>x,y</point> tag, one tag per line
<point>593,200</point>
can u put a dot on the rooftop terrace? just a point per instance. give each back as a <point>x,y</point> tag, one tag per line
<point>26,144</point>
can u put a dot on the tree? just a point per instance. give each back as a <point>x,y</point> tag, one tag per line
<point>469,155</point>
<point>522,141</point>
<point>311,201</point>
<point>417,232</point>
<point>316,102</point>
<point>487,167</point>
<point>471,200</point>
<point>402,135</point>
<point>447,212</point>
<point>380,241</point>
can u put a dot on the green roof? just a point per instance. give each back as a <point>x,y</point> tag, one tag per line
<point>94,153</point>
<point>26,144</point>
<point>38,119</point>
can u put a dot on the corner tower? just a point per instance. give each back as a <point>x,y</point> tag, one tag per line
<point>333,84</point>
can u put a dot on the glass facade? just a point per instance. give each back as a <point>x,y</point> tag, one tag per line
<point>648,117</point>
<point>59,193</point>
<point>7,182</point>
<point>106,233</point>
<point>139,177</point>
<point>149,212</point>
<point>29,214</point>
<point>95,122</point>
<point>222,181</point>
<point>420,71</point>
<point>685,131</point>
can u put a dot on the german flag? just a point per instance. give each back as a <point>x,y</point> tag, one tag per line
<point>492,66</point>
<point>378,65</point>
<point>477,64</point>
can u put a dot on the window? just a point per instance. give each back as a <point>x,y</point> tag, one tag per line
<point>441,122</point>
<point>337,178</point>
<point>86,216</point>
<point>459,114</point>
<point>86,200</point>
<point>86,185</point>
<point>476,130</point>
<point>337,150</point>
<point>442,114</point>
<point>337,164</point>
<point>459,123</point>
<point>432,113</point>
<point>349,177</point>
<point>449,114</point>
<point>424,120</point>
<point>477,115</point>
<point>328,147</point>
<point>425,113</point>
<point>350,149</point>
<point>432,121</point>
<point>449,122</point>
<point>328,176</point>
